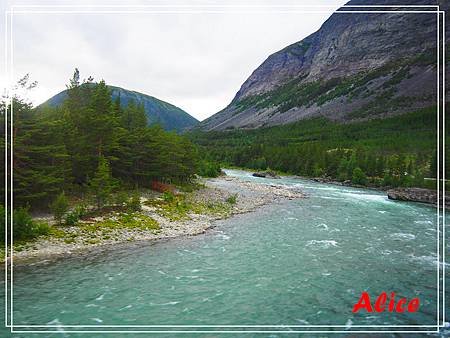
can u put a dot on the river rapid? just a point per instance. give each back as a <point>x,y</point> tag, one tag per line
<point>295,263</point>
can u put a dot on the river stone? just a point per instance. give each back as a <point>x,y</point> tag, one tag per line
<point>415,195</point>
<point>266,174</point>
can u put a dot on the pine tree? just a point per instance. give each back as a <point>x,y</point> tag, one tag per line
<point>102,184</point>
<point>41,165</point>
<point>134,117</point>
<point>102,123</point>
<point>59,207</point>
<point>76,118</point>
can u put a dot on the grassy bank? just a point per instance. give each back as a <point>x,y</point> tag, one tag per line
<point>126,216</point>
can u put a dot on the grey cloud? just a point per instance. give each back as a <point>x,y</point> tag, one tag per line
<point>195,61</point>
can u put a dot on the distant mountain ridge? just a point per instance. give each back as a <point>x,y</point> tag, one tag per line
<point>357,66</point>
<point>170,117</point>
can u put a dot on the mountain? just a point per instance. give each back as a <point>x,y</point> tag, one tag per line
<point>169,116</point>
<point>357,66</point>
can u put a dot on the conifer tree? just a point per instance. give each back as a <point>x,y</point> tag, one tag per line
<point>41,166</point>
<point>102,123</point>
<point>59,207</point>
<point>134,117</point>
<point>102,184</point>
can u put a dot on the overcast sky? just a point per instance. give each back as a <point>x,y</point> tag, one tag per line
<point>196,60</point>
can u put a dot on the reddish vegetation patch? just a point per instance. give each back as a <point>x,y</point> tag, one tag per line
<point>162,187</point>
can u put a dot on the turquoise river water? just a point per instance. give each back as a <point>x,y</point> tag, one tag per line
<point>284,267</point>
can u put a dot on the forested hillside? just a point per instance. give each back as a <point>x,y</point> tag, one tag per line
<point>167,115</point>
<point>397,151</point>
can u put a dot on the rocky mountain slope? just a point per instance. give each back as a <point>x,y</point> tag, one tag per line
<point>169,116</point>
<point>357,66</point>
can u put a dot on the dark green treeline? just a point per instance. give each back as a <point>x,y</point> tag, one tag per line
<point>62,149</point>
<point>396,151</point>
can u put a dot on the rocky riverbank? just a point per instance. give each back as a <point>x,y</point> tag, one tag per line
<point>218,198</point>
<point>416,195</point>
<point>420,195</point>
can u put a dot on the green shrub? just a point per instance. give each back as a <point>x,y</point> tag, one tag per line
<point>168,196</point>
<point>358,176</point>
<point>232,199</point>
<point>59,207</point>
<point>407,181</point>
<point>209,169</point>
<point>71,219</point>
<point>22,224</point>
<point>75,215</point>
<point>318,171</point>
<point>81,210</point>
<point>25,228</point>
<point>41,228</point>
<point>121,198</point>
<point>387,180</point>
<point>134,203</point>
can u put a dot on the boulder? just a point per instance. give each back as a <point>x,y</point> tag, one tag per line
<point>266,174</point>
<point>415,195</point>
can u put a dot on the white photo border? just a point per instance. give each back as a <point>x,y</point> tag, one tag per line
<point>166,9</point>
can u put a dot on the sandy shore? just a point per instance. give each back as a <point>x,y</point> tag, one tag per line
<point>249,197</point>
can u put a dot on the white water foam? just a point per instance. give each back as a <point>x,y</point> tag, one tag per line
<point>59,326</point>
<point>428,260</point>
<point>223,236</point>
<point>164,304</point>
<point>322,243</point>
<point>348,324</point>
<point>400,236</point>
<point>126,307</point>
<point>322,226</point>
<point>54,322</point>
<point>423,222</point>
<point>98,320</point>
<point>331,198</point>
<point>368,197</point>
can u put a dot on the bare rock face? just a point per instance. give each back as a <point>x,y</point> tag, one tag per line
<point>415,195</point>
<point>357,66</point>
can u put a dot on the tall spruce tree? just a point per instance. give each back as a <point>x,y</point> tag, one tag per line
<point>41,165</point>
<point>102,184</point>
<point>133,116</point>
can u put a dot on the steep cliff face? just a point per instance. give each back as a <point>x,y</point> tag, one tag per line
<point>167,115</point>
<point>357,66</point>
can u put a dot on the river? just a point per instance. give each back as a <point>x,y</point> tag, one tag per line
<point>294,263</point>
